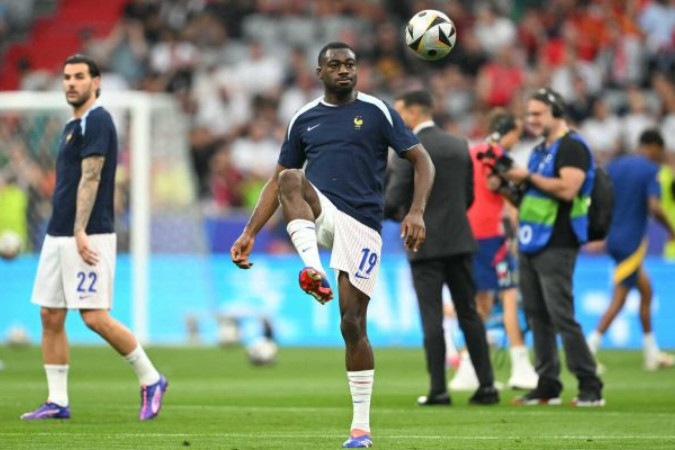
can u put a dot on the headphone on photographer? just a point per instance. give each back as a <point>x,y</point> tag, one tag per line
<point>552,99</point>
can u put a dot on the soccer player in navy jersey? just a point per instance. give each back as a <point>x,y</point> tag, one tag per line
<point>329,182</point>
<point>77,262</point>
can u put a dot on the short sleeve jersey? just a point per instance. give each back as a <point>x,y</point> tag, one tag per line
<point>635,180</point>
<point>344,152</point>
<point>92,134</point>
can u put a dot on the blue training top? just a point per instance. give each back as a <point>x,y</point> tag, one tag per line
<point>345,148</point>
<point>92,134</point>
<point>635,179</point>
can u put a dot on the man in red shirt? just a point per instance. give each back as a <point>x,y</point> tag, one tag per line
<point>493,263</point>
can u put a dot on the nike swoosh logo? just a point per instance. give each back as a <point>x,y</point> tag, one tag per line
<point>312,127</point>
<point>357,275</point>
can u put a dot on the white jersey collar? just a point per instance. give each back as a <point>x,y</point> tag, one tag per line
<point>423,125</point>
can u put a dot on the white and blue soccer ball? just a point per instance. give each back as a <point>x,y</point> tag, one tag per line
<point>431,34</point>
<point>262,352</point>
<point>10,244</point>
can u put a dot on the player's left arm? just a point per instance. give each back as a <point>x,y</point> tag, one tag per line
<point>413,230</point>
<point>654,205</point>
<point>86,197</point>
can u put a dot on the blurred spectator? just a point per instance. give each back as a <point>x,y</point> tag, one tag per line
<point>255,153</point>
<point>500,80</point>
<point>203,146</point>
<point>579,105</point>
<point>176,14</point>
<point>531,35</point>
<point>623,58</point>
<point>493,31</point>
<point>471,55</point>
<point>587,29</point>
<point>225,180</point>
<point>31,79</point>
<point>173,60</point>
<point>571,67</point>
<point>637,119</point>
<point>657,22</point>
<point>125,49</point>
<point>13,206</point>
<point>260,72</point>
<point>304,90</point>
<point>602,131</point>
<point>222,106</point>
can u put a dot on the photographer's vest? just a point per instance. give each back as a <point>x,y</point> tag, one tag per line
<point>538,210</point>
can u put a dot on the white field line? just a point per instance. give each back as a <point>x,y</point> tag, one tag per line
<point>306,435</point>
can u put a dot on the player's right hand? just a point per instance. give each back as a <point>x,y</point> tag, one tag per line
<point>87,253</point>
<point>241,250</point>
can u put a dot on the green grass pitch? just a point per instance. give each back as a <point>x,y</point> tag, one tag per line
<point>216,400</point>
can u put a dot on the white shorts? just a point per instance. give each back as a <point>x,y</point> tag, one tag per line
<point>356,248</point>
<point>64,280</point>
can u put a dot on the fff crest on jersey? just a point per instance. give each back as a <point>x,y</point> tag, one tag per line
<point>358,122</point>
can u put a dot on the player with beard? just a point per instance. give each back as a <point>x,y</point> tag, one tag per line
<point>329,182</point>
<point>77,262</point>
<point>553,224</point>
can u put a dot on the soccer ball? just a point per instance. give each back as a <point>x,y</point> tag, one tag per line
<point>430,34</point>
<point>262,352</point>
<point>10,244</point>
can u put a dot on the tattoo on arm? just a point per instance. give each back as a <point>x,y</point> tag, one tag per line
<point>87,189</point>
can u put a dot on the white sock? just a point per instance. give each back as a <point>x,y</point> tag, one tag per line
<point>361,387</point>
<point>146,372</point>
<point>518,355</point>
<point>57,383</point>
<point>593,341</point>
<point>649,344</point>
<point>303,236</point>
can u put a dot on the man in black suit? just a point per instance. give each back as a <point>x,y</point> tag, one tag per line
<point>445,258</point>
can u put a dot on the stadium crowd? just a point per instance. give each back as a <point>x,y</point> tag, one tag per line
<point>240,69</point>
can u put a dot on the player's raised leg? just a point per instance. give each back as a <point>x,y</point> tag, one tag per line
<point>301,206</point>
<point>153,384</point>
<point>359,360</point>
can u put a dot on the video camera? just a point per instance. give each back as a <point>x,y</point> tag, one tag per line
<point>497,164</point>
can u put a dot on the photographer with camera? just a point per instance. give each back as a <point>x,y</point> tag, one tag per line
<point>553,224</point>
<point>494,265</point>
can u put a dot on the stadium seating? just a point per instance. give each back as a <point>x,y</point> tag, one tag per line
<point>51,39</point>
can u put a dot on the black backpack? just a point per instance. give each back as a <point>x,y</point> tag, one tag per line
<point>601,206</point>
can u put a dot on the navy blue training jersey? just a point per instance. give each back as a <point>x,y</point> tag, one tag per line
<point>635,180</point>
<point>93,134</point>
<point>345,148</point>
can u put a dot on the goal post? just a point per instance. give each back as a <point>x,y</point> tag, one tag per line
<point>151,129</point>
